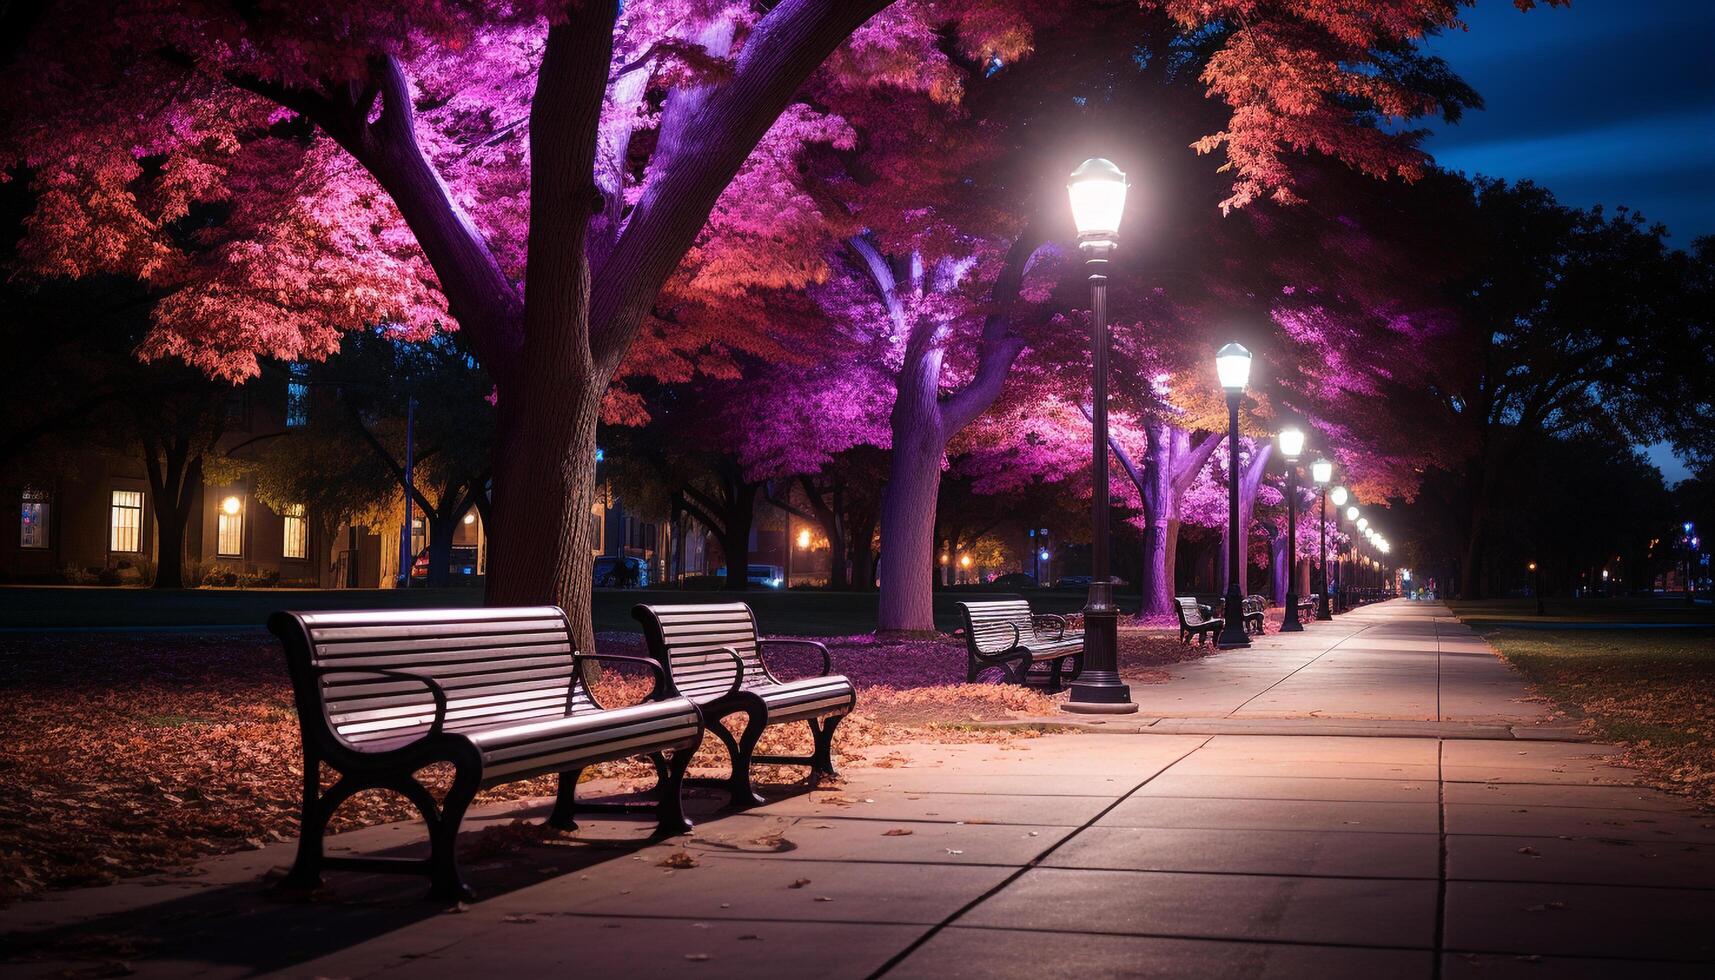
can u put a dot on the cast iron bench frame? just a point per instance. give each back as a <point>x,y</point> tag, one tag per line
<point>499,693</point>
<point>1206,624</point>
<point>681,636</point>
<point>995,636</point>
<point>1255,610</point>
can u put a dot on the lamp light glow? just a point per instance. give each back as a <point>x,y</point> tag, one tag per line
<point>1363,523</point>
<point>965,561</point>
<point>804,539</point>
<point>231,505</point>
<point>1097,189</point>
<point>1291,441</point>
<point>469,518</point>
<point>1352,512</point>
<point>1233,366</point>
<point>1339,495</point>
<point>1322,470</point>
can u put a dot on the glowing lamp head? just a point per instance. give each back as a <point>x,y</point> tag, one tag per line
<point>1097,190</point>
<point>943,558</point>
<point>1291,440</point>
<point>1322,470</point>
<point>1532,566</point>
<point>1604,574</point>
<point>1352,512</point>
<point>965,561</point>
<point>1042,555</point>
<point>1363,523</point>
<point>1233,366</point>
<point>232,505</point>
<point>804,539</point>
<point>470,518</point>
<point>1339,496</point>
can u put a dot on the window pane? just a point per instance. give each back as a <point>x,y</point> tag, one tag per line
<point>127,521</point>
<point>33,519</point>
<point>296,534</point>
<point>229,537</point>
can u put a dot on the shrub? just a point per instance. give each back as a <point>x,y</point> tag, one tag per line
<point>266,579</point>
<point>218,575</point>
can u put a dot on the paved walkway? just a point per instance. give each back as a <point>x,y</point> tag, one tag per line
<point>1127,852</point>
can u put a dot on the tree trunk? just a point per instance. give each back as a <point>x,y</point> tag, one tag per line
<point>735,546</point>
<point>1279,563</point>
<point>830,516</point>
<point>908,518</point>
<point>862,544</point>
<point>545,491</point>
<point>170,549</point>
<point>440,548</point>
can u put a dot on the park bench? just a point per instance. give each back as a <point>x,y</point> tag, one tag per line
<point>1307,606</point>
<point>498,693</point>
<point>1254,608</point>
<point>693,643</point>
<point>1004,633</point>
<point>1196,620</point>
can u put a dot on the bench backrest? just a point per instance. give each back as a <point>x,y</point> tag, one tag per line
<point>496,665</point>
<point>989,623</point>
<point>1190,610</point>
<point>687,640</point>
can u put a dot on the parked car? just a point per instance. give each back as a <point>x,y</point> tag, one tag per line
<point>1083,581</point>
<point>1015,580</point>
<point>461,565</point>
<point>767,576</point>
<point>621,572</point>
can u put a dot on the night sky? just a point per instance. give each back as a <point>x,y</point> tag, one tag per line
<point>1604,102</point>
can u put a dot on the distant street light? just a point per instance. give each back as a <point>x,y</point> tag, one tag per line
<point>1291,440</point>
<point>1322,471</point>
<point>1233,367</point>
<point>1097,192</point>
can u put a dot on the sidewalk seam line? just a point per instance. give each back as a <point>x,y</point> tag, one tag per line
<point>936,929</point>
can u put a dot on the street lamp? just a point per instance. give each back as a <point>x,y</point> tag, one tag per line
<point>1233,367</point>
<point>1351,566</point>
<point>1291,440</point>
<point>1322,471</point>
<point>1097,193</point>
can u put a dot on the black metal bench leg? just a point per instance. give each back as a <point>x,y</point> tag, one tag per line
<point>1054,683</point>
<point>445,883</point>
<point>564,816</point>
<point>742,792</point>
<point>306,870</point>
<point>670,810</point>
<point>822,733</point>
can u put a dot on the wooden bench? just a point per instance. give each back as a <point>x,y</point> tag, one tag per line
<point>1004,633</point>
<point>1255,610</point>
<point>693,643</point>
<point>1196,620</point>
<point>498,693</point>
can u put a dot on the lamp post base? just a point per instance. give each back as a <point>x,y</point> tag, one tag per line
<point>1233,633</point>
<point>1290,624</point>
<point>1098,690</point>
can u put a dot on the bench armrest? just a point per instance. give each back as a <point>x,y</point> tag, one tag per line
<point>827,659</point>
<point>663,681</point>
<point>1039,620</point>
<point>435,690</point>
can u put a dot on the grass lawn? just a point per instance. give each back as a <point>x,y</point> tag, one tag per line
<point>800,613</point>
<point>1639,673</point>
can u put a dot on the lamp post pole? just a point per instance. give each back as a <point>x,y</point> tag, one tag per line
<point>1098,196</point>
<point>1291,444</point>
<point>1233,365</point>
<point>1322,471</point>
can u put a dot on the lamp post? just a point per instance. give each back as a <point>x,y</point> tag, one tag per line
<point>1097,193</point>
<point>1291,440</point>
<point>1536,587</point>
<point>1352,563</point>
<point>1690,569</point>
<point>1322,471</point>
<point>1233,366</point>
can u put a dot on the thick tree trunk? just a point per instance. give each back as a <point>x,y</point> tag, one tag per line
<point>440,549</point>
<point>1278,564</point>
<point>170,549</point>
<point>541,541</point>
<point>908,526</point>
<point>862,545</point>
<point>830,517</point>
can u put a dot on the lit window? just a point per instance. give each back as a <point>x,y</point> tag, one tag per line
<point>296,534</point>
<point>229,532</point>
<point>127,521</point>
<point>298,396</point>
<point>33,519</point>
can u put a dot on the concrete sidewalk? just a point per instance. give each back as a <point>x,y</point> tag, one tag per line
<point>1137,853</point>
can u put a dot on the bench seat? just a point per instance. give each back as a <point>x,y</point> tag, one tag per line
<point>1196,620</point>
<point>499,693</point>
<point>1004,633</point>
<point>713,653</point>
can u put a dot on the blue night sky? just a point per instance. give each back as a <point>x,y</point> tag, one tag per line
<point>1604,102</point>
